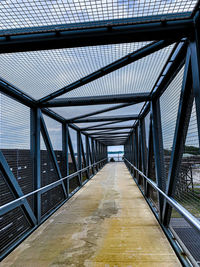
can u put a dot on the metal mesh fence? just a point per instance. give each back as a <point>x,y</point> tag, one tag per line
<point>145,72</point>
<point>188,185</point>
<point>169,103</point>
<point>39,73</point>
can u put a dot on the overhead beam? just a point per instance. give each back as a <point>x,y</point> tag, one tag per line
<point>102,111</point>
<point>103,124</point>
<point>98,100</point>
<point>108,133</point>
<point>108,128</point>
<point>107,118</point>
<point>96,33</point>
<point>124,61</point>
<point>110,137</point>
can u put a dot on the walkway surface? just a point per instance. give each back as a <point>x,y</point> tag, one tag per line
<point>107,223</point>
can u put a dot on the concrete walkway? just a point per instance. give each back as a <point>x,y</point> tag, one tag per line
<point>107,223</point>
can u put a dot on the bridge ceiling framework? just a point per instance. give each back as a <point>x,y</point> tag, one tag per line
<point>79,76</point>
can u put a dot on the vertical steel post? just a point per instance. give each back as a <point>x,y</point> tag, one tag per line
<point>65,153</point>
<point>158,151</point>
<point>143,149</point>
<point>35,152</point>
<point>87,153</point>
<point>79,157</point>
<point>149,156</point>
<point>195,63</point>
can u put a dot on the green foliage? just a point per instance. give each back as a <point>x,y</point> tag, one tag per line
<point>192,150</point>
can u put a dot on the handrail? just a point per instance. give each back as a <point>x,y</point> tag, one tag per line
<point>4,208</point>
<point>192,220</point>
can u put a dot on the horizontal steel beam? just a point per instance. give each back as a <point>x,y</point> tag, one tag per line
<point>103,124</point>
<point>98,100</point>
<point>122,62</point>
<point>108,128</point>
<point>108,133</point>
<point>110,137</point>
<point>114,107</point>
<point>106,118</point>
<point>96,33</point>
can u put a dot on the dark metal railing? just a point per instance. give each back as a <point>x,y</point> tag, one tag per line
<point>193,221</point>
<point>15,203</point>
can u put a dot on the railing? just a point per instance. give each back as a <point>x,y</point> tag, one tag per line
<point>184,253</point>
<point>180,209</point>
<point>19,201</point>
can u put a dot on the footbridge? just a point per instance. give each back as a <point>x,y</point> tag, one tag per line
<point>79,81</point>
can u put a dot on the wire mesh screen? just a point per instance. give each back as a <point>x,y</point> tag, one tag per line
<point>51,198</point>
<point>188,185</point>
<point>39,73</point>
<point>15,142</point>
<point>169,103</point>
<point>54,129</point>
<point>15,146</point>
<point>74,182</point>
<point>20,14</point>
<point>137,77</point>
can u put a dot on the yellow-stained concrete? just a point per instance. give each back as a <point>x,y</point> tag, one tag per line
<point>107,223</point>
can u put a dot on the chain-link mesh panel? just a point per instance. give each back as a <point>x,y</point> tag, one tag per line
<point>137,77</point>
<point>53,197</point>
<point>188,185</point>
<point>169,104</point>
<point>15,142</point>
<point>39,73</point>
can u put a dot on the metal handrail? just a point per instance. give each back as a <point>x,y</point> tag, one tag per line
<point>4,208</point>
<point>192,220</point>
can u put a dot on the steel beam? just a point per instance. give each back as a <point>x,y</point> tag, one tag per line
<point>71,150</point>
<point>79,156</point>
<point>109,128</point>
<point>93,127</point>
<point>143,149</point>
<point>96,33</point>
<point>122,62</point>
<point>35,115</point>
<point>108,133</point>
<point>49,147</point>
<point>149,156</point>
<point>107,118</point>
<point>101,111</point>
<point>97,100</point>
<point>195,64</point>
<point>84,158</point>
<point>176,61</point>
<point>65,152</point>
<point>158,151</point>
